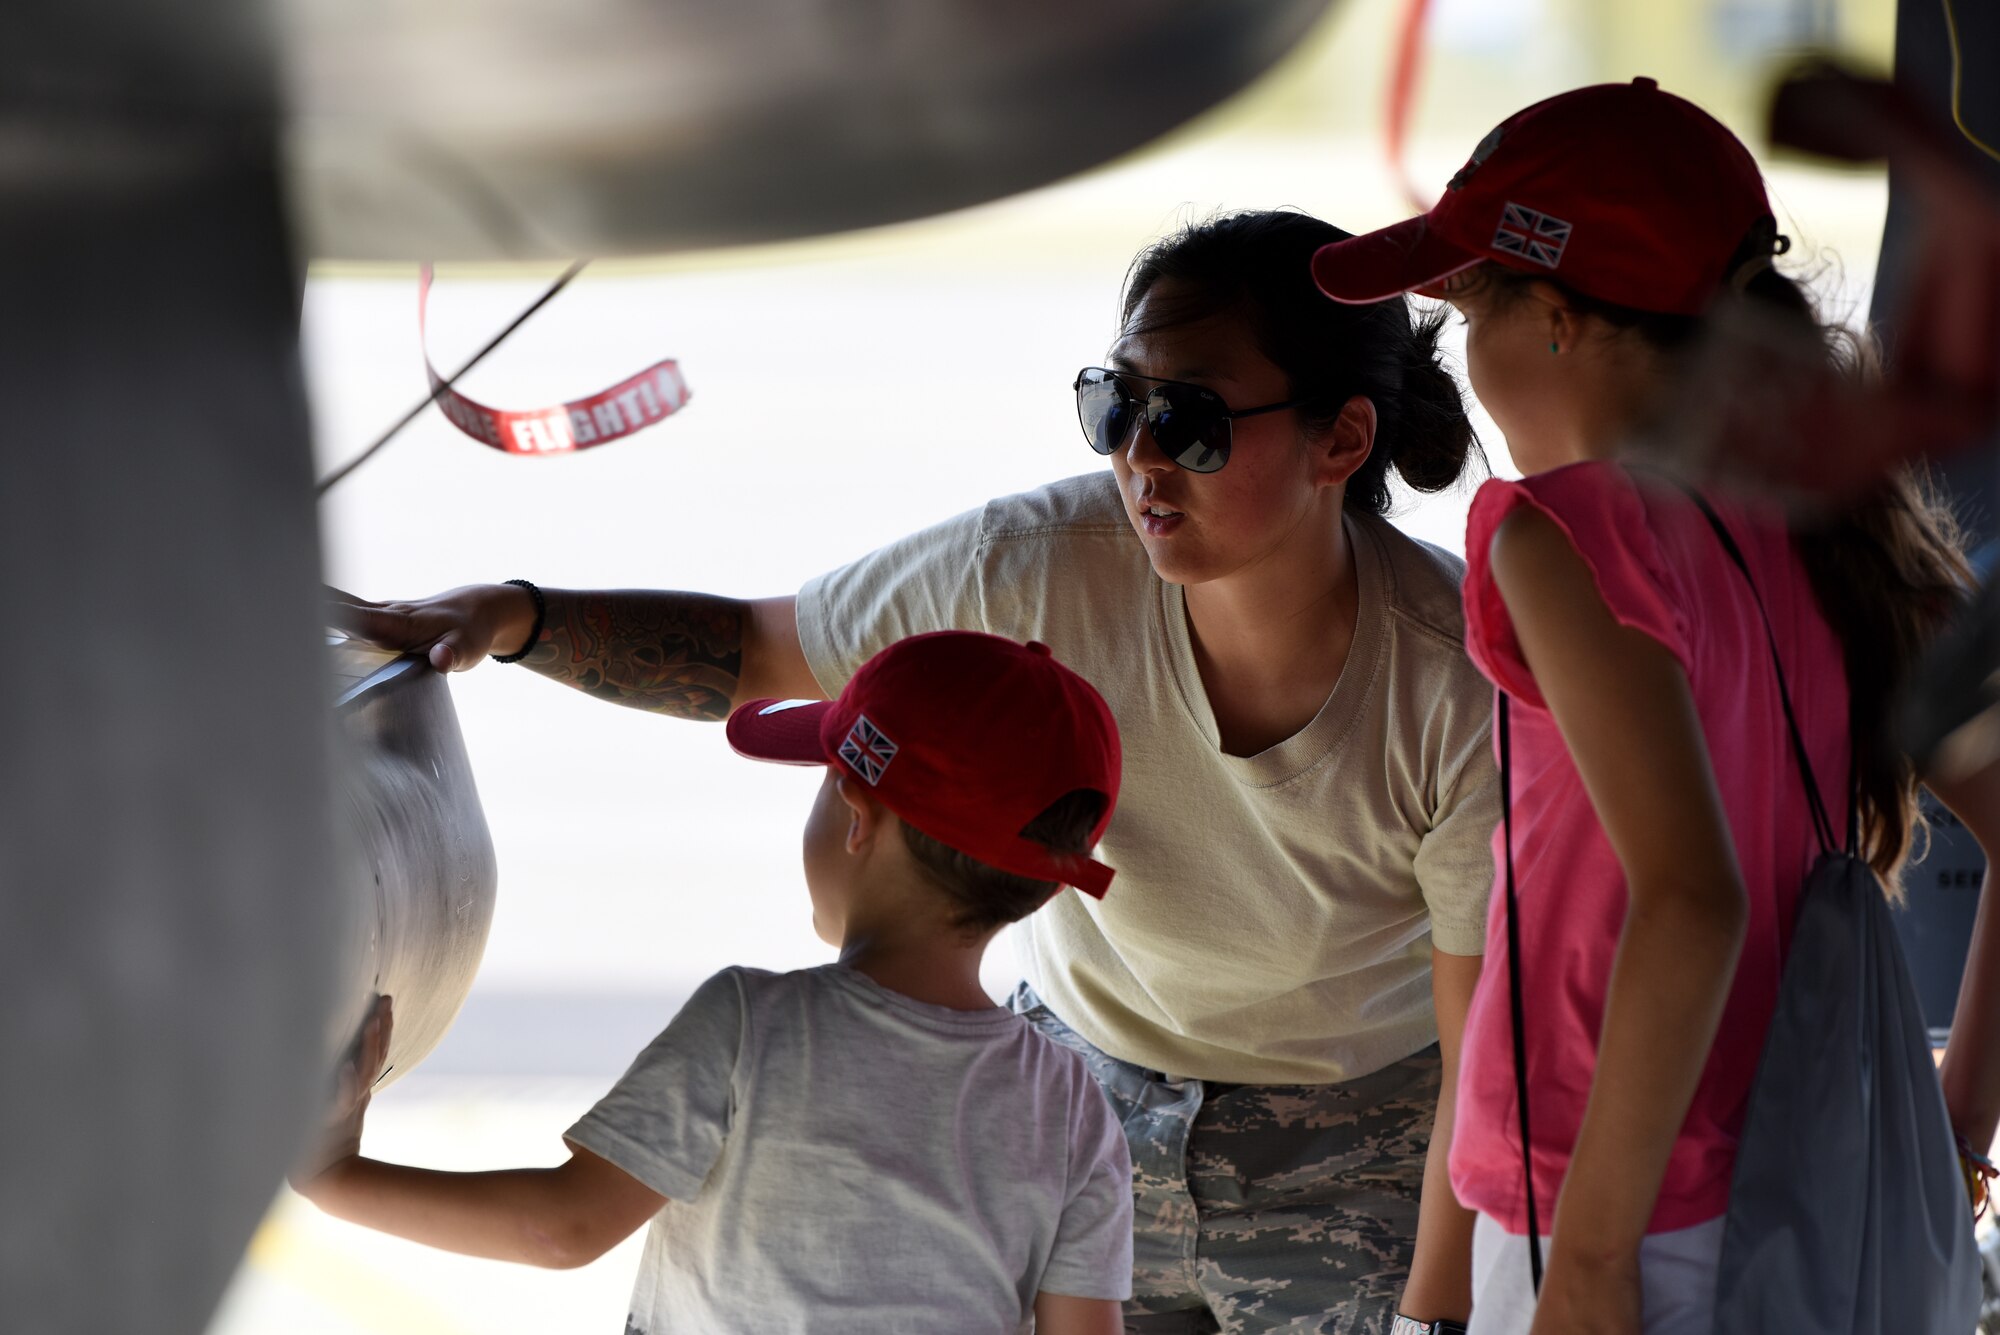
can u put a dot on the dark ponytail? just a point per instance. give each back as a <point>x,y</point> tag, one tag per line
<point>1259,265</point>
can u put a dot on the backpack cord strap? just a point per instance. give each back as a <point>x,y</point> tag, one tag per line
<point>1815,804</point>
<point>1514,992</point>
<point>1822,824</point>
<point>1853,800</point>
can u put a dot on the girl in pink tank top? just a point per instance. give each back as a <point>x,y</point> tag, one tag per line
<point>1661,834</point>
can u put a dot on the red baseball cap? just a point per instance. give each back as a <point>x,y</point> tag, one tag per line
<point>966,736</point>
<point>1618,191</point>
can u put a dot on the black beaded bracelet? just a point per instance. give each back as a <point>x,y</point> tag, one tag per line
<point>535,635</point>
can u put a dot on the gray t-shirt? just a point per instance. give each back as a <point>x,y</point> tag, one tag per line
<point>840,1157</point>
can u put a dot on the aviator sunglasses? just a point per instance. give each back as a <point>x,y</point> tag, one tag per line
<point>1189,424</point>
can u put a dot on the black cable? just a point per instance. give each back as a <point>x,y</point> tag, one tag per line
<point>326,483</point>
<point>1515,1007</point>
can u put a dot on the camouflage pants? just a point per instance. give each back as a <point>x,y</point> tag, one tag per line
<point>1266,1208</point>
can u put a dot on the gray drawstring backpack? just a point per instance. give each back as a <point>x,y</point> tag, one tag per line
<point>1847,1215</point>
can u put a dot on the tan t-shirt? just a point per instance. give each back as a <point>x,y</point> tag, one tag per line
<point>1273,915</point>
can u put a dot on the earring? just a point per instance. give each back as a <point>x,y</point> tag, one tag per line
<point>1553,349</point>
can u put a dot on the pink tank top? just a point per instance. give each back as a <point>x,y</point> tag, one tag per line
<point>1661,570</point>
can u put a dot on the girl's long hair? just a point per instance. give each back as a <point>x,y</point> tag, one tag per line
<point>1887,568</point>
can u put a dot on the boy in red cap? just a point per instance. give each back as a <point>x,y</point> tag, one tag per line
<point>871,1145</point>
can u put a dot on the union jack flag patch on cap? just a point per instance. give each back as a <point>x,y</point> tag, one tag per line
<point>867,750</point>
<point>1531,235</point>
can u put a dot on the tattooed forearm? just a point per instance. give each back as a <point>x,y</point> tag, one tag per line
<point>671,653</point>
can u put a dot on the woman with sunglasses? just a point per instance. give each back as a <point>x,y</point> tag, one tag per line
<point>1308,785</point>
<point>1661,829</point>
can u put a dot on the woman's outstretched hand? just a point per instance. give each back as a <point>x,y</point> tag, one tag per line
<point>456,629</point>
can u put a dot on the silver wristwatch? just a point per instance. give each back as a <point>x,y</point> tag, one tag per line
<point>1404,1325</point>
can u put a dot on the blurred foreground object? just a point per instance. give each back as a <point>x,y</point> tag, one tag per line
<point>1768,415</point>
<point>420,858</point>
<point>1955,710</point>
<point>177,925</point>
<point>1942,891</point>
<point>169,915</point>
<point>1937,315</point>
<point>521,129</point>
